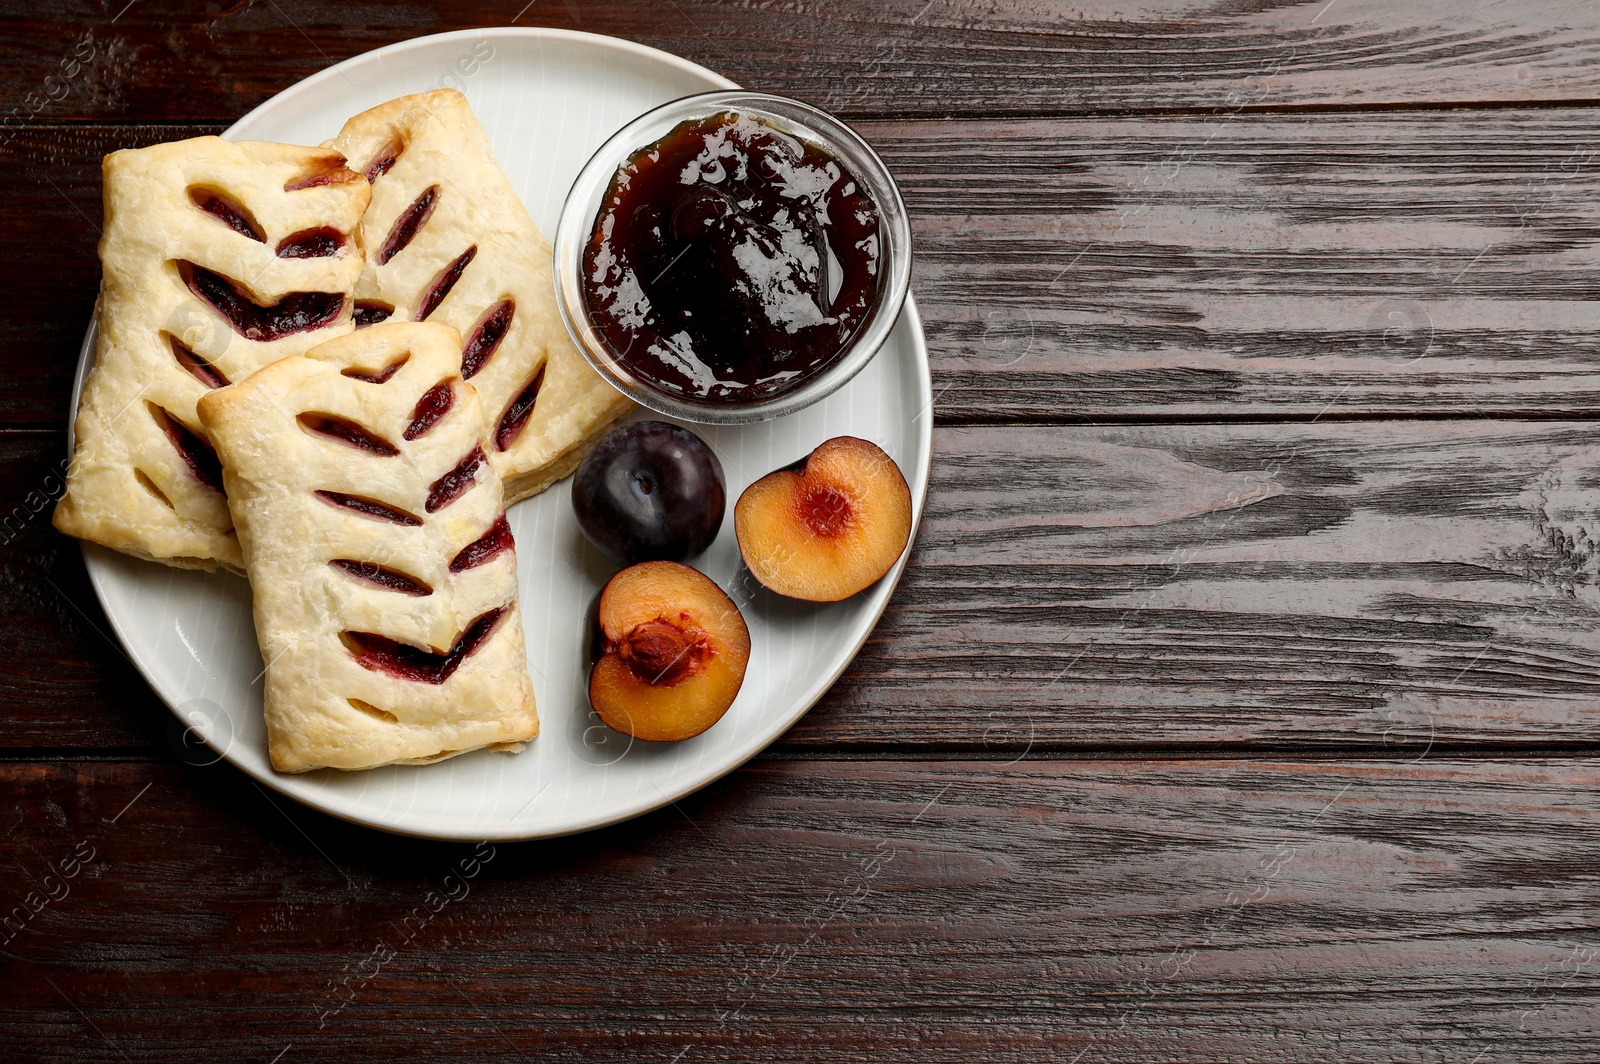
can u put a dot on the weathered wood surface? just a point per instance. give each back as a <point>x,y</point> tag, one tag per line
<point>825,910</point>
<point>1130,220</point>
<point>49,228</point>
<point>65,684</point>
<point>1132,268</point>
<point>1389,584</point>
<point>1257,266</point>
<point>1404,583</point>
<point>72,60</point>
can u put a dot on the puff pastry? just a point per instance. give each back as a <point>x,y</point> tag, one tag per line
<point>382,568</point>
<point>448,240</point>
<point>218,259</point>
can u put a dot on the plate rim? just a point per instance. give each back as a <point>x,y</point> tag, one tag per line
<point>910,319</point>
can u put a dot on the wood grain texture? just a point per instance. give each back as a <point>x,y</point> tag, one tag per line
<point>892,911</point>
<point>49,228</point>
<point>1127,268</point>
<point>1402,584</point>
<point>65,683</point>
<point>164,60</point>
<point>1395,585</point>
<point>1146,211</point>
<point>1256,266</point>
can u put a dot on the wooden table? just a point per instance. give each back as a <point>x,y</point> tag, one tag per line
<point>1241,702</point>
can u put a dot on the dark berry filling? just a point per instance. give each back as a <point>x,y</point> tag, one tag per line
<point>369,508</point>
<point>382,654</point>
<point>295,312</point>
<point>515,419</point>
<point>203,463</point>
<point>450,487</point>
<point>227,210</point>
<point>434,404</point>
<point>382,576</point>
<point>444,282</point>
<point>384,160</point>
<point>203,371</point>
<point>410,222</point>
<point>320,243</point>
<point>381,375</point>
<point>369,313</point>
<point>493,542</point>
<point>347,431</point>
<point>485,339</point>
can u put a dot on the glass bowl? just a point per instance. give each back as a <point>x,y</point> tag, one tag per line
<point>790,116</point>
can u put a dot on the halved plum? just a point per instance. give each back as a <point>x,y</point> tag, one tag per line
<point>828,526</point>
<point>671,650</point>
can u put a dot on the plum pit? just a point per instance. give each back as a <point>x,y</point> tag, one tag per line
<point>661,653</point>
<point>669,652</point>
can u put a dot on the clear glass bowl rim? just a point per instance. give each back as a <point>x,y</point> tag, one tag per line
<point>794,117</point>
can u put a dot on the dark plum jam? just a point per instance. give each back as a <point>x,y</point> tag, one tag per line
<point>731,260</point>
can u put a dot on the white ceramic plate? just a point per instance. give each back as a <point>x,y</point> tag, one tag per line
<point>548,98</point>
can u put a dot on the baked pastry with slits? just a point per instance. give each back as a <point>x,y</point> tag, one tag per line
<point>218,259</point>
<point>381,564</point>
<point>448,240</point>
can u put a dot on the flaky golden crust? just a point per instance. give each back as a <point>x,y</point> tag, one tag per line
<point>441,145</point>
<point>129,485</point>
<point>282,438</point>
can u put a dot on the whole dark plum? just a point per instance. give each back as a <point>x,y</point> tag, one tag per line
<point>649,491</point>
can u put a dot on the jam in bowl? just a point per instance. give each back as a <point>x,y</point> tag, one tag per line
<point>732,257</point>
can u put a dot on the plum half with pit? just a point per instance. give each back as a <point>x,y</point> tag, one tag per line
<point>828,526</point>
<point>669,651</point>
<point>649,491</point>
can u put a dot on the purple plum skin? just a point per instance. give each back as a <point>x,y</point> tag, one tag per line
<point>649,491</point>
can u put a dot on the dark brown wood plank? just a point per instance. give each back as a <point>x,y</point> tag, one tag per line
<point>160,59</point>
<point>1129,268</point>
<point>65,683</point>
<point>819,911</point>
<point>49,228</point>
<point>1259,266</point>
<point>1394,585</point>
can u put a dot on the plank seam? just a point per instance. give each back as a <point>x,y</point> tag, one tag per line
<point>1039,754</point>
<point>1041,114</point>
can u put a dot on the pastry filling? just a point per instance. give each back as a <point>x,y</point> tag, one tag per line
<point>454,484</point>
<point>377,376</point>
<point>434,405</point>
<point>369,508</point>
<point>197,455</point>
<point>229,211</point>
<point>346,431</point>
<point>493,542</point>
<point>199,368</point>
<point>410,222</point>
<point>384,160</point>
<point>515,419</point>
<point>368,312</point>
<point>382,576</point>
<point>319,243</point>
<point>485,339</point>
<point>295,312</point>
<point>444,282</point>
<point>404,661</point>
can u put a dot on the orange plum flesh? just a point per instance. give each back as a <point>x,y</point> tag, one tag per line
<point>672,652</point>
<point>828,529</point>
